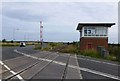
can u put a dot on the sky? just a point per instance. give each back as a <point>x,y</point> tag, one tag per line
<point>119,22</point>
<point>21,20</point>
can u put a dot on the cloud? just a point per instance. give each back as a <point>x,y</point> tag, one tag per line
<point>60,0</point>
<point>25,15</point>
<point>59,19</point>
<point>60,36</point>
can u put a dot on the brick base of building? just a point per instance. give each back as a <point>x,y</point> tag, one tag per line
<point>92,43</point>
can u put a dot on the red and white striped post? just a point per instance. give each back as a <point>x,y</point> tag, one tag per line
<point>41,33</point>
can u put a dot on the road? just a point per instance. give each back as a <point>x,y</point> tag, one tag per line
<point>25,63</point>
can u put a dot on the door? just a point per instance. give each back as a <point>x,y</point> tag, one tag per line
<point>90,46</point>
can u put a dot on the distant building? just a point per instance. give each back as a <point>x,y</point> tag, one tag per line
<point>93,35</point>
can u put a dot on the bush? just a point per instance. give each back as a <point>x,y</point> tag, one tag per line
<point>112,58</point>
<point>53,44</point>
<point>11,41</point>
<point>118,55</point>
<point>4,40</point>
<point>114,52</point>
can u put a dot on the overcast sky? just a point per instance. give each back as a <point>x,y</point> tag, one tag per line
<point>60,19</point>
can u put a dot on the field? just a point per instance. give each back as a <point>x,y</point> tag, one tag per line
<point>17,43</point>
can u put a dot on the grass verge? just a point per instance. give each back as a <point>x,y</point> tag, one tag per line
<point>114,51</point>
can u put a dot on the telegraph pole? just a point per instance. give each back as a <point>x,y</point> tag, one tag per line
<point>14,32</point>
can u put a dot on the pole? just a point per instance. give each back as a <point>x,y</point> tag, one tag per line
<point>13,34</point>
<point>41,34</point>
<point>24,37</point>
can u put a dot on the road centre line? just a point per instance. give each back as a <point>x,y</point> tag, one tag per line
<point>75,67</point>
<point>14,73</point>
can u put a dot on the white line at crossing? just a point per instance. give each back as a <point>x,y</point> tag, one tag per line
<point>75,67</point>
<point>18,76</point>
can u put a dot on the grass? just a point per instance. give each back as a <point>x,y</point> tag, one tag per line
<point>91,53</point>
<point>114,53</point>
<point>53,46</point>
<point>69,49</point>
<point>112,58</point>
<point>9,44</point>
<point>114,50</point>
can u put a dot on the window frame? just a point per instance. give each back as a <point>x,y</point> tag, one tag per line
<point>96,32</point>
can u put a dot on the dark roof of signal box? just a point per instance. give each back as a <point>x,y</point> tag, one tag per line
<point>80,25</point>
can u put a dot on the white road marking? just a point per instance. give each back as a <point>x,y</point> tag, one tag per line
<point>78,69</point>
<point>98,61</point>
<point>14,73</point>
<point>75,67</point>
<point>96,72</point>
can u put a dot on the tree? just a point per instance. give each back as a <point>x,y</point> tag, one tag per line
<point>11,41</point>
<point>4,40</point>
<point>68,43</point>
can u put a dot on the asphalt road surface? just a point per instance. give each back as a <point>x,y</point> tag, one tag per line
<point>25,63</point>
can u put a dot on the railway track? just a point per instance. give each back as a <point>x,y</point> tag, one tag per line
<point>24,65</point>
<point>37,62</point>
